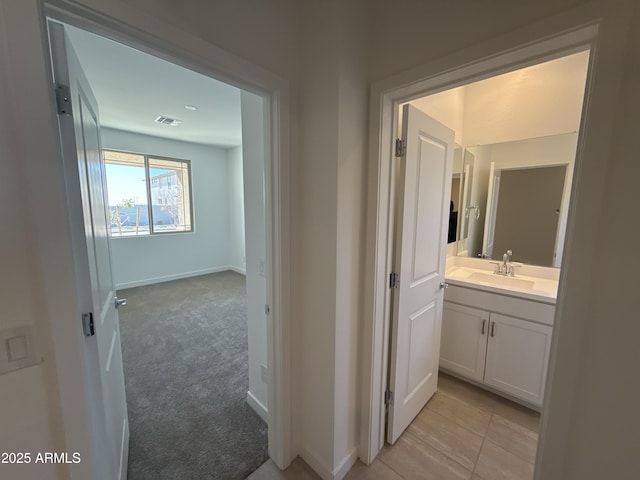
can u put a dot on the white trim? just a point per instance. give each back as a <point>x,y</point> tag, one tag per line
<point>345,465</point>
<point>241,271</point>
<point>258,407</point>
<point>317,465</point>
<point>326,472</point>
<point>571,31</point>
<point>30,79</point>
<point>175,276</point>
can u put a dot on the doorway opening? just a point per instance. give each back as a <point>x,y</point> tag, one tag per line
<point>383,249</point>
<point>176,210</point>
<point>185,171</point>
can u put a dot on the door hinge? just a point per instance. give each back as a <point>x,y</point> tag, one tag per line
<point>388,397</point>
<point>63,99</point>
<point>401,147</point>
<point>394,280</point>
<point>87,325</point>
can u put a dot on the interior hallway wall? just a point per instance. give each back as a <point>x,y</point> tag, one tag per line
<point>237,258</point>
<point>603,436</point>
<point>315,190</point>
<point>155,258</point>
<point>329,215</point>
<point>253,160</point>
<point>26,403</point>
<point>403,34</point>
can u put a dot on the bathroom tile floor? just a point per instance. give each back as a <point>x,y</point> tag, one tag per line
<point>463,432</point>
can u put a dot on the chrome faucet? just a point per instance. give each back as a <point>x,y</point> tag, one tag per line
<point>505,261</point>
<point>506,267</point>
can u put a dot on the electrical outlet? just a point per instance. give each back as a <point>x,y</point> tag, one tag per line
<point>264,373</point>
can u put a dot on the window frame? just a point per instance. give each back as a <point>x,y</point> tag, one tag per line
<point>147,157</point>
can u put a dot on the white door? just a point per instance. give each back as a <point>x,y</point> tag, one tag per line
<point>492,208</point>
<point>421,239</point>
<point>518,357</point>
<point>463,344</point>
<point>80,133</point>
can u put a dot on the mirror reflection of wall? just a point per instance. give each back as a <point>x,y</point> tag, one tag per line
<point>469,211</point>
<point>522,189</point>
<point>527,213</point>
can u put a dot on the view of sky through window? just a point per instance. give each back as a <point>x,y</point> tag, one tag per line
<point>147,195</point>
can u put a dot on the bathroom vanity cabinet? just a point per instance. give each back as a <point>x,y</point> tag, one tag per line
<point>500,341</point>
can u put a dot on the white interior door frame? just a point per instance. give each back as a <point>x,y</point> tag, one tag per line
<point>129,26</point>
<point>590,26</point>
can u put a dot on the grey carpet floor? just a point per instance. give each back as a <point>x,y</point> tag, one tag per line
<point>184,346</point>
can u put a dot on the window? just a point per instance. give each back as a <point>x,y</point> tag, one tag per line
<point>147,194</point>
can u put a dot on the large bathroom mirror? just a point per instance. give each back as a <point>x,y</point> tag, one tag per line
<point>514,196</point>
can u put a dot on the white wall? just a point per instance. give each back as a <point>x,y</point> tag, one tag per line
<point>350,212</point>
<point>313,215</point>
<point>156,258</point>
<point>534,152</point>
<point>603,435</point>
<point>328,216</point>
<point>601,399</point>
<point>237,259</point>
<point>447,107</point>
<point>26,404</point>
<point>253,147</point>
<point>535,102</point>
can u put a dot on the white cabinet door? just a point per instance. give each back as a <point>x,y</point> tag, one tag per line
<point>517,357</point>
<point>463,344</point>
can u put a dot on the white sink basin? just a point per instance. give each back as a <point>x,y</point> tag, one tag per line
<point>501,281</point>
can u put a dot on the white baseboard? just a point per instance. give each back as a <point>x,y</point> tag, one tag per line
<point>241,271</point>
<point>316,464</point>
<point>258,407</point>
<point>324,471</point>
<point>345,465</point>
<point>168,278</point>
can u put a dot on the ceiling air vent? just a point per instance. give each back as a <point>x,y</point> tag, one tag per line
<point>172,122</point>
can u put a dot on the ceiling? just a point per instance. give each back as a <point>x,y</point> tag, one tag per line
<point>542,100</point>
<point>134,88</point>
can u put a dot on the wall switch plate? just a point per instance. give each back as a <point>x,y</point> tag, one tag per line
<point>18,348</point>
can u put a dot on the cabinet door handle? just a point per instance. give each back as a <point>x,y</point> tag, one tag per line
<point>484,324</point>
<point>493,329</point>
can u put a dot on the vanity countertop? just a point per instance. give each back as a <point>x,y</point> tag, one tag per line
<point>541,288</point>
